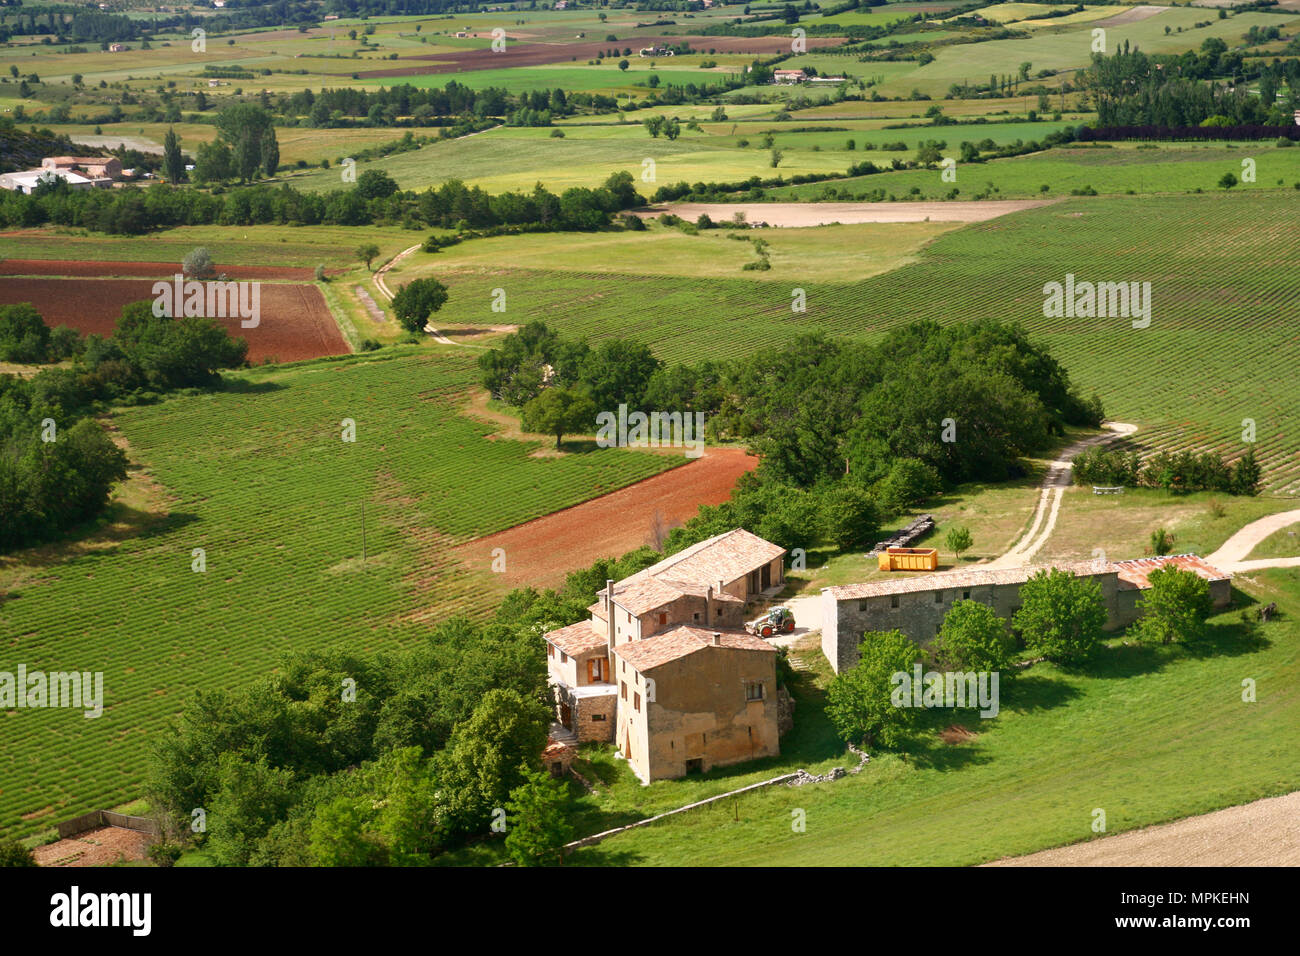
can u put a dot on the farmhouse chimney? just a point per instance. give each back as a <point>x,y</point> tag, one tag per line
<point>609,617</point>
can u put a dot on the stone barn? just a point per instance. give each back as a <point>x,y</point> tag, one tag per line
<point>917,605</point>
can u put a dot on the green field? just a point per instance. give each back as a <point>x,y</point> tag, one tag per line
<point>1167,168</point>
<point>1220,266</point>
<point>509,158</point>
<point>259,478</point>
<point>1070,49</point>
<point>1148,736</point>
<point>295,246</point>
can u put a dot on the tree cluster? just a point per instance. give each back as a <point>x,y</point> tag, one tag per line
<point>1178,472</point>
<point>341,759</point>
<point>57,464</point>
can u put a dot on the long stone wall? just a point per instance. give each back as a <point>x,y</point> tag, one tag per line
<point>919,614</point>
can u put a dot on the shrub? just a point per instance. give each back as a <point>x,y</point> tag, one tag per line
<point>13,853</point>
<point>165,854</point>
<point>198,263</point>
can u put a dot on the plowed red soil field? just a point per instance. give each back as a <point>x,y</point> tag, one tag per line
<point>537,54</point>
<point>541,552</point>
<point>295,322</point>
<point>159,270</point>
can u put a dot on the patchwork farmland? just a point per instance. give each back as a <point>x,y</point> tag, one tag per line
<point>1223,291</point>
<point>260,479</point>
<point>401,481</point>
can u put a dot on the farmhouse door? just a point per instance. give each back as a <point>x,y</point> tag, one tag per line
<point>767,576</point>
<point>566,716</point>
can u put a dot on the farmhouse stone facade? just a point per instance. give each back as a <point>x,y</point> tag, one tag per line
<point>664,668</point>
<point>917,605</point>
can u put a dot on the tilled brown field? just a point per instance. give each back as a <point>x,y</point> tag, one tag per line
<point>157,270</point>
<point>541,552</point>
<point>295,322</point>
<point>539,54</point>
<point>103,847</point>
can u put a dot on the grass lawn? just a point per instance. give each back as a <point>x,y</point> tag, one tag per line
<point>1121,525</point>
<point>1283,543</point>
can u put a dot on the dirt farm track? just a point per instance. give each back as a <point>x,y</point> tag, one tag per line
<point>295,321</point>
<point>1263,833</point>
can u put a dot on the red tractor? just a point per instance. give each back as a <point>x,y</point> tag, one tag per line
<point>775,621</point>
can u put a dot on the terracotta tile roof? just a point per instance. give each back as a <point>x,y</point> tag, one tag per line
<point>640,594</point>
<point>1134,573</point>
<point>724,557</point>
<point>576,638</point>
<point>683,640</point>
<point>972,577</point>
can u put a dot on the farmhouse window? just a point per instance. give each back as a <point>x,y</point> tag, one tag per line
<point>564,658</point>
<point>754,690</point>
<point>893,600</point>
<point>596,717</point>
<point>550,650</point>
<point>697,615</point>
<point>938,597</point>
<point>965,595</point>
<point>862,605</point>
<point>623,689</point>
<point>663,619</point>
<point>596,669</point>
<point>636,702</point>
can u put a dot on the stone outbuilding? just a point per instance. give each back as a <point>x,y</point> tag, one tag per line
<point>917,605</point>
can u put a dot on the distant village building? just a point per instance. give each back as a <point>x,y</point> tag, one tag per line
<point>788,76</point>
<point>28,179</point>
<point>664,668</point>
<point>655,51</point>
<point>79,172</point>
<point>100,170</point>
<point>116,47</point>
<point>917,605</point>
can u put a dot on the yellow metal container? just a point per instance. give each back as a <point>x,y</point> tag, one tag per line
<point>908,559</point>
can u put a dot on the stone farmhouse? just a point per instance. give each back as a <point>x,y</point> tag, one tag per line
<point>916,605</point>
<point>664,668</point>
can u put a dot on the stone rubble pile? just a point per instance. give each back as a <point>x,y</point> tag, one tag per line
<point>802,777</point>
<point>921,526</point>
